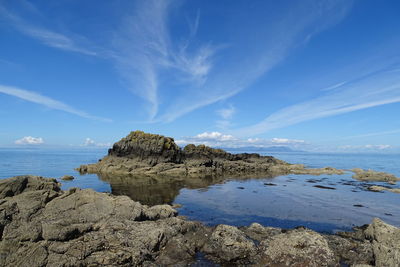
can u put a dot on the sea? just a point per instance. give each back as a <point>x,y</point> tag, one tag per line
<point>325,203</point>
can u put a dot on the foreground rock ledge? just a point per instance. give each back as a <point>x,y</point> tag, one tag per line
<point>41,225</point>
<point>143,153</point>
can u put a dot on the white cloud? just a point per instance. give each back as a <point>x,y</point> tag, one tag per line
<point>46,101</point>
<point>91,142</point>
<point>88,142</point>
<point>368,147</point>
<point>217,136</point>
<point>29,140</point>
<point>217,139</point>
<point>379,147</point>
<point>226,113</point>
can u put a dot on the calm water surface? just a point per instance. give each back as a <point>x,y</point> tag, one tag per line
<point>284,201</point>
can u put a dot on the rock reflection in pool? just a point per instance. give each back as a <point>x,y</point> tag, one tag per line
<point>154,190</point>
<point>291,202</point>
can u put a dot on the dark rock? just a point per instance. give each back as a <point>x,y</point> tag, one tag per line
<point>324,187</point>
<point>142,153</point>
<point>150,148</point>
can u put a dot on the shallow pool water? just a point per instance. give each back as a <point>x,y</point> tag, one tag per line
<point>325,203</point>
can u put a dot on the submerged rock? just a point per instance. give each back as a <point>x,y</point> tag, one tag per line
<point>41,225</point>
<point>374,176</point>
<point>377,188</point>
<point>67,178</point>
<point>149,154</point>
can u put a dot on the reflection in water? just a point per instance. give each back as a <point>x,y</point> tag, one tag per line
<point>154,190</point>
<point>284,201</point>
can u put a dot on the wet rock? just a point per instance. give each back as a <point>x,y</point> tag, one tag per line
<point>228,244</point>
<point>370,175</point>
<point>67,178</point>
<point>377,188</point>
<point>298,247</point>
<point>385,242</point>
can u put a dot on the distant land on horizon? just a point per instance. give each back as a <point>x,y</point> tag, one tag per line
<point>262,149</point>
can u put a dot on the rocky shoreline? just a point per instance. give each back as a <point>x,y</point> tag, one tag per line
<point>151,154</point>
<point>41,225</point>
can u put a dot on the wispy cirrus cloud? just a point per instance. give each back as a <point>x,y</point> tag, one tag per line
<point>44,35</point>
<point>46,101</point>
<point>144,51</point>
<point>178,73</point>
<point>245,59</point>
<point>379,88</point>
<point>396,131</point>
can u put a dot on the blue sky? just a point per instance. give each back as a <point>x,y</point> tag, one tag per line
<point>313,75</point>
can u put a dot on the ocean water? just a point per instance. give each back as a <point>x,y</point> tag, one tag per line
<point>284,201</point>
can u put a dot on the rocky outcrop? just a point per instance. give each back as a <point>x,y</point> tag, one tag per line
<point>150,149</point>
<point>44,226</point>
<point>374,176</point>
<point>41,225</point>
<point>149,154</point>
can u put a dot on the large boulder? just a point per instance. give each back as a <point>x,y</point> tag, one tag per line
<point>385,242</point>
<point>228,244</point>
<point>300,247</point>
<point>150,148</point>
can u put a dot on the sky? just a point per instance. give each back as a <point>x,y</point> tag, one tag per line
<point>315,75</point>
